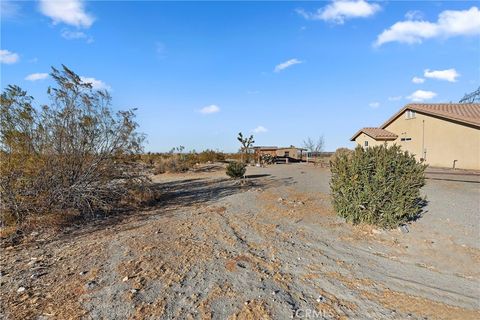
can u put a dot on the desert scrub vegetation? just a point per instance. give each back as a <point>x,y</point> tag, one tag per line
<point>342,151</point>
<point>173,163</point>
<point>211,156</point>
<point>236,169</point>
<point>73,154</point>
<point>179,161</point>
<point>378,185</point>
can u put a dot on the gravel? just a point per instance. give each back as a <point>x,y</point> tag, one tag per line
<point>270,248</point>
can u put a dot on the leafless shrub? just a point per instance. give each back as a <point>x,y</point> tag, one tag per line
<point>73,154</point>
<point>314,148</point>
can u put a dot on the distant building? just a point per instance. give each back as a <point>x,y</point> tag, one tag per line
<point>291,152</point>
<point>444,135</point>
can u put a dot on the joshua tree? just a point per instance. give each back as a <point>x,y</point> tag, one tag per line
<point>247,143</point>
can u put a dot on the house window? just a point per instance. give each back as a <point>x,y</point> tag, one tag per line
<point>287,153</point>
<point>366,144</point>
<point>410,114</point>
<point>406,139</point>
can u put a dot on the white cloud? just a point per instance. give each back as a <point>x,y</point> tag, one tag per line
<point>449,75</point>
<point>340,10</point>
<point>96,84</point>
<point>286,64</point>
<point>421,95</point>
<point>70,12</point>
<point>260,129</point>
<point>74,35</point>
<point>36,76</point>
<point>414,15</point>
<point>394,98</point>
<point>407,32</point>
<point>418,80</point>
<point>374,104</point>
<point>450,23</point>
<point>210,109</point>
<point>8,57</point>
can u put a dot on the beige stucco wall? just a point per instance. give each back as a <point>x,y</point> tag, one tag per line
<point>294,152</point>
<point>362,137</point>
<point>443,141</point>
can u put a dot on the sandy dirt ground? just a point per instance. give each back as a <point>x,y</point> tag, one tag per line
<point>212,248</point>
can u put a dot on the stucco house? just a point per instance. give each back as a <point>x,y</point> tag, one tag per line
<point>442,134</point>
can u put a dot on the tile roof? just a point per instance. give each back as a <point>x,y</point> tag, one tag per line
<point>467,113</point>
<point>376,133</point>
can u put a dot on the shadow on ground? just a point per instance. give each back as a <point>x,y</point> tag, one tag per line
<point>422,204</point>
<point>169,196</point>
<point>208,168</point>
<point>203,191</point>
<point>255,176</point>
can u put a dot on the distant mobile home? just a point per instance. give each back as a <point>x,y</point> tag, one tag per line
<point>288,152</point>
<point>443,135</point>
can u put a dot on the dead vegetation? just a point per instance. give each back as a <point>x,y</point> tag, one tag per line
<point>177,160</point>
<point>71,157</point>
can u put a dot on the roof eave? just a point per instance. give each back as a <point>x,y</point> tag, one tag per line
<point>410,106</point>
<point>375,138</point>
<point>356,135</point>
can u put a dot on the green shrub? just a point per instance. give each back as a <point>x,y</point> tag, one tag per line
<point>377,185</point>
<point>236,169</point>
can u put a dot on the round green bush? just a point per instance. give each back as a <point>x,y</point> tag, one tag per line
<point>236,169</point>
<point>377,185</point>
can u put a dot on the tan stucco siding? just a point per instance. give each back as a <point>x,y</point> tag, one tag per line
<point>264,152</point>
<point>443,141</point>
<point>362,137</point>
<point>293,152</point>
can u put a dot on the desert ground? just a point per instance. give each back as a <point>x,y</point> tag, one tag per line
<point>270,247</point>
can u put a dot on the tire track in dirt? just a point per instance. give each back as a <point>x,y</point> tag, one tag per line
<point>264,251</point>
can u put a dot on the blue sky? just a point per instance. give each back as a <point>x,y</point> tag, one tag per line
<point>200,72</point>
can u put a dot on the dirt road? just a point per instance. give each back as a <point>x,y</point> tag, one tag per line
<point>270,249</point>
